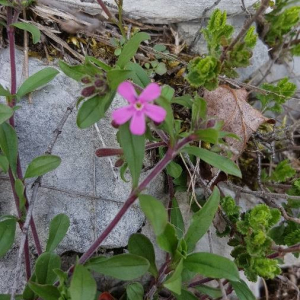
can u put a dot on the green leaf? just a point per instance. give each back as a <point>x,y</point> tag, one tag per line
<point>242,291</point>
<point>4,92</point>
<point>215,160</point>
<point>123,266</point>
<point>47,291</point>
<point>36,80</point>
<point>57,231</point>
<point>212,265</point>
<point>6,3</point>
<point>7,233</point>
<point>177,219</point>
<point>210,291</point>
<point>185,100</point>
<point>173,283</point>
<point>131,48</point>
<point>155,213</point>
<point>161,69</point>
<point>138,74</point>
<point>202,220</point>
<point>4,164</point>
<point>44,266</point>
<point>35,32</point>
<point>99,63</point>
<point>20,189</point>
<point>115,77</point>
<point>83,285</point>
<point>135,291</point>
<point>209,135</point>
<point>94,109</point>
<point>165,102</point>
<point>199,111</point>
<point>9,145</point>
<point>74,72</point>
<point>174,169</point>
<point>41,165</point>
<point>283,171</point>
<point>168,240</point>
<point>5,113</point>
<point>28,293</point>
<point>140,245</point>
<point>134,151</point>
<point>186,295</point>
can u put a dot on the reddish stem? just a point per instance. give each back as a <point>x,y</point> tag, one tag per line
<point>171,153</point>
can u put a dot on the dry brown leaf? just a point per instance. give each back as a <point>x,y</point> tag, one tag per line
<point>240,118</point>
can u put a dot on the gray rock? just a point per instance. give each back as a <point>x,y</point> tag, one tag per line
<point>162,11</point>
<point>86,188</point>
<point>260,57</point>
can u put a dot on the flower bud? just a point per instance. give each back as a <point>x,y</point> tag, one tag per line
<point>114,124</point>
<point>88,91</point>
<point>99,83</point>
<point>86,80</point>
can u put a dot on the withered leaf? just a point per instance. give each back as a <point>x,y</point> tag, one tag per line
<point>240,118</point>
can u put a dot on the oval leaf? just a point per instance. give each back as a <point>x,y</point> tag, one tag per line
<point>83,285</point>
<point>173,283</point>
<point>35,32</point>
<point>135,291</point>
<point>44,266</point>
<point>92,110</point>
<point>7,233</point>
<point>74,72</point>
<point>131,48</point>
<point>123,266</point>
<point>115,77</point>
<point>4,164</point>
<point>5,113</point>
<point>20,191</point>
<point>134,151</point>
<point>215,160</point>
<point>242,291</point>
<point>47,292</point>
<point>212,265</point>
<point>202,220</point>
<point>177,219</point>
<point>42,165</point>
<point>4,92</point>
<point>57,230</point>
<point>140,245</point>
<point>36,80</point>
<point>155,213</point>
<point>9,145</point>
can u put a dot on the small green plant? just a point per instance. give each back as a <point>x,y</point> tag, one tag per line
<point>282,21</point>
<point>223,57</point>
<point>280,93</point>
<point>250,238</point>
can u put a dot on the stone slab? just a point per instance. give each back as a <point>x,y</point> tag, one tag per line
<point>160,11</point>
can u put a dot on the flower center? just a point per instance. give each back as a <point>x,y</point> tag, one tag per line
<point>138,106</point>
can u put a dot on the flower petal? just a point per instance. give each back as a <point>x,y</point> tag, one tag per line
<point>123,114</point>
<point>151,92</point>
<point>155,112</point>
<point>138,123</point>
<point>127,91</point>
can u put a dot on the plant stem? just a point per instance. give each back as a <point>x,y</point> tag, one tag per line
<point>12,16</point>
<point>112,18</point>
<point>171,153</point>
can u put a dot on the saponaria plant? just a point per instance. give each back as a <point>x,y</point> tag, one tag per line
<point>148,122</point>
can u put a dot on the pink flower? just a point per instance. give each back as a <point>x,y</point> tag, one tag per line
<point>139,107</point>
